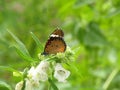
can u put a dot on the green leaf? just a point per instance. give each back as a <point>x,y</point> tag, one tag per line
<point>7,68</point>
<point>23,55</point>
<point>66,7</point>
<point>92,36</point>
<point>80,35</point>
<point>77,52</point>
<point>52,84</point>
<point>10,69</point>
<point>80,3</point>
<point>20,44</point>
<point>21,49</point>
<point>37,41</point>
<point>4,86</point>
<point>112,13</point>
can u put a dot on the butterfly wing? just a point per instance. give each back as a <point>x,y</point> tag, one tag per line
<point>57,33</point>
<point>54,45</point>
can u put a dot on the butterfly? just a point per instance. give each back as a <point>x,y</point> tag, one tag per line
<point>55,43</point>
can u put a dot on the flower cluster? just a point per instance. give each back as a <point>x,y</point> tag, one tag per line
<point>40,74</point>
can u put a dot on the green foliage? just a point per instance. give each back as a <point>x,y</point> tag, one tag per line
<point>4,86</point>
<point>91,29</point>
<point>37,42</point>
<point>21,49</point>
<point>53,85</point>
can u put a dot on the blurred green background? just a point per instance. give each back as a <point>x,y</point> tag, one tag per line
<point>91,25</point>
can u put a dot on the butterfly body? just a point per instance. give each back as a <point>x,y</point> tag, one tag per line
<point>55,43</point>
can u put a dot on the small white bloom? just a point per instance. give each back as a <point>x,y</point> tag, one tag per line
<point>43,66</point>
<point>28,85</point>
<point>19,85</point>
<point>41,70</point>
<point>60,73</point>
<point>31,72</point>
<point>39,73</point>
<point>42,76</point>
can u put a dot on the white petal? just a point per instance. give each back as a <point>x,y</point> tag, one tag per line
<point>44,65</point>
<point>31,72</point>
<point>43,76</point>
<point>28,85</point>
<point>19,85</point>
<point>35,77</point>
<point>58,66</point>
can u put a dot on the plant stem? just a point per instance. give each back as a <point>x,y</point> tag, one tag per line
<point>110,78</point>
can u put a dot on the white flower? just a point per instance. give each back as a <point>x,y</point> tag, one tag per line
<point>28,85</point>
<point>43,76</point>
<point>39,73</point>
<point>35,75</point>
<point>31,72</point>
<point>41,70</point>
<point>19,85</point>
<point>43,66</point>
<point>60,73</point>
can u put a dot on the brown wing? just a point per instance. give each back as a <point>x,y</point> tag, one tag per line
<point>58,32</point>
<point>54,45</point>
